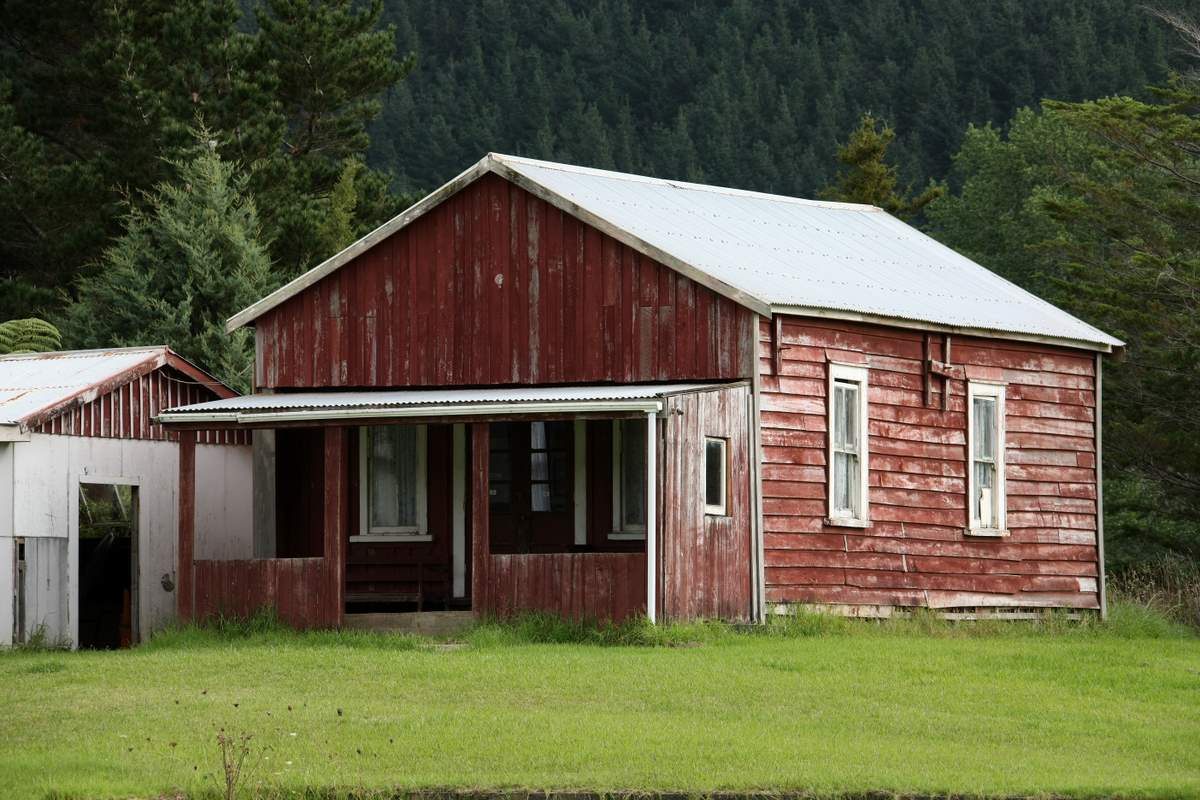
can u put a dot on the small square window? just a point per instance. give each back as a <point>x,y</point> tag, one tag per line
<point>716,476</point>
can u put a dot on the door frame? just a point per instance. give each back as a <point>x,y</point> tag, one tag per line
<point>135,546</point>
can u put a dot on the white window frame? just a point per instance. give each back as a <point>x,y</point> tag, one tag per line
<point>975,527</point>
<point>402,533</point>
<point>620,531</point>
<point>716,509</point>
<point>852,374</point>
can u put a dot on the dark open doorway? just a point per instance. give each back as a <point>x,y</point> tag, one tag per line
<point>108,601</point>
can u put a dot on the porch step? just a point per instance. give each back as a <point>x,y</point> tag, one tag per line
<point>422,623</point>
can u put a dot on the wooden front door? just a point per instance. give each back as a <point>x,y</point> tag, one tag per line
<point>531,481</point>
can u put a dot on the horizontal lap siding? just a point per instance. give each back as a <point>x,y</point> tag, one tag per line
<point>495,286</point>
<point>593,586</point>
<point>915,551</point>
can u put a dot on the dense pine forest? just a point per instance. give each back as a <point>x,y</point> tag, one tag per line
<point>748,94</point>
<point>164,164</point>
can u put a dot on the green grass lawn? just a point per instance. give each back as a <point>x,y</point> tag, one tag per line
<point>824,706</point>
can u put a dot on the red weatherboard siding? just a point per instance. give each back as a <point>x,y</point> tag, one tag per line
<point>126,410</point>
<point>915,551</point>
<point>495,286</point>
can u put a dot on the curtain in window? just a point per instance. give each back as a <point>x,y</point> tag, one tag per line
<point>633,473</point>
<point>393,470</point>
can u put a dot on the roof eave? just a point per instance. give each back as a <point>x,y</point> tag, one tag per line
<point>965,330</point>
<point>492,163</point>
<point>333,263</point>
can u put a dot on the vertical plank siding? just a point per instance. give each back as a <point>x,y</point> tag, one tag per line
<point>915,551</point>
<point>127,410</point>
<point>297,589</point>
<point>705,560</point>
<point>591,586</point>
<point>495,287</point>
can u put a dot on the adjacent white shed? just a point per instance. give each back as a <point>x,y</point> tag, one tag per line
<point>87,492</point>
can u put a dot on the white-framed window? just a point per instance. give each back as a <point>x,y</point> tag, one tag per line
<point>393,503</point>
<point>716,476</point>
<point>629,479</point>
<point>847,457</point>
<point>985,459</point>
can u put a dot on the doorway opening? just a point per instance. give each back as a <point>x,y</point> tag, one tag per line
<point>107,558</point>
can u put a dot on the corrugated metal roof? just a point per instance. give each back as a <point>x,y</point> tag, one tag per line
<point>789,252</point>
<point>768,252</point>
<point>33,382</point>
<point>373,402</point>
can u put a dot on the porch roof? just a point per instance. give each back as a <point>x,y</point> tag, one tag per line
<point>425,403</point>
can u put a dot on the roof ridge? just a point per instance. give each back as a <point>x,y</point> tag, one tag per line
<point>678,184</point>
<point>82,353</point>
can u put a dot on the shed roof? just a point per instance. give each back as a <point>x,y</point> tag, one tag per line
<point>36,386</point>
<point>771,253</point>
<point>525,400</point>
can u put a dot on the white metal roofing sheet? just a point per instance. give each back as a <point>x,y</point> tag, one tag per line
<point>788,252</point>
<point>401,398</point>
<point>32,382</point>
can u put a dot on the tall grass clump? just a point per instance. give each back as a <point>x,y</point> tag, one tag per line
<point>265,628</point>
<point>1169,586</point>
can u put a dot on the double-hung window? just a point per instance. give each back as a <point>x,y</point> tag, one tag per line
<point>985,460</point>
<point>847,457</point>
<point>392,483</point>
<point>629,479</point>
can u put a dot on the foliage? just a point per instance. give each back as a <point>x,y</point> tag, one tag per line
<point>1093,206</point>
<point>336,231</point>
<point>873,709</point>
<point>188,260</point>
<point>96,99</point>
<point>745,94</point>
<point>866,177</point>
<point>1168,586</point>
<point>28,336</point>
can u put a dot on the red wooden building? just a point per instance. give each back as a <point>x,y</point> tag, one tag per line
<point>547,387</point>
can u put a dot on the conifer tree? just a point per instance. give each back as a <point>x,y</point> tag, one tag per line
<point>190,257</point>
<point>866,177</point>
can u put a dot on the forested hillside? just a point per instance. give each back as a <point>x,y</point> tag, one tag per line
<point>749,94</point>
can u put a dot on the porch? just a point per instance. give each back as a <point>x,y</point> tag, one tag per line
<point>492,501</point>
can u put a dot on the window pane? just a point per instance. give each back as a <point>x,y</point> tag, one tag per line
<point>845,416</point>
<point>845,483</point>
<point>714,472</point>
<point>984,410</point>
<point>393,475</point>
<point>985,492</point>
<point>633,473</point>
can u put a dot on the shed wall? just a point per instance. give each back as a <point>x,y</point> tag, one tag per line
<point>705,559</point>
<point>127,410</point>
<point>47,471</point>
<point>915,552</point>
<point>495,286</point>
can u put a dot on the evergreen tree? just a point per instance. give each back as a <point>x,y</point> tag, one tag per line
<point>190,257</point>
<point>94,95</point>
<point>866,177</point>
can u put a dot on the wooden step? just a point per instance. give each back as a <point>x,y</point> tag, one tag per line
<point>421,623</point>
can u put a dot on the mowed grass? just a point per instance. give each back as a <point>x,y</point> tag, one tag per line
<point>818,704</point>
